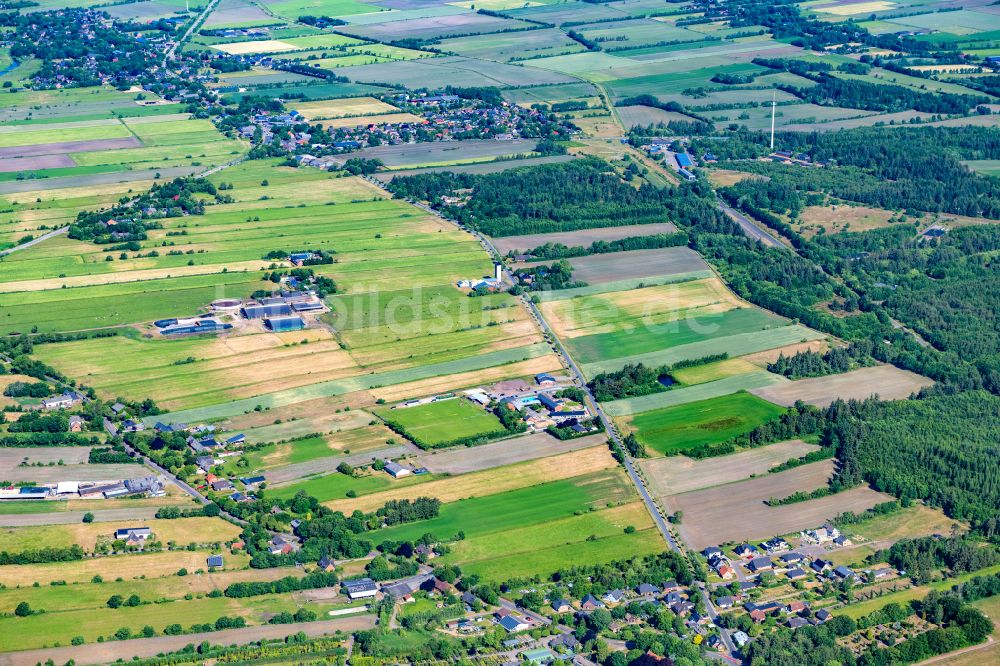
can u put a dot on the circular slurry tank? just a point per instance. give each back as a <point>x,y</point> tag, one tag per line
<point>226,304</point>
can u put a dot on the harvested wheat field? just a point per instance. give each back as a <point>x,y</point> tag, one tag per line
<point>679,474</point>
<point>340,108</point>
<point>124,566</point>
<point>886,381</point>
<point>736,511</point>
<point>490,481</point>
<point>358,121</point>
<point>726,177</point>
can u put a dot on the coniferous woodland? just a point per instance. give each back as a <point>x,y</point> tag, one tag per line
<point>581,194</point>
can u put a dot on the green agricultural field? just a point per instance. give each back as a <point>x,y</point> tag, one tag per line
<point>686,394</point>
<point>46,628</point>
<point>675,429</point>
<point>520,508</point>
<point>296,8</point>
<point>735,345</point>
<point>985,167</point>
<point>542,548</point>
<point>441,423</point>
<point>697,328</point>
<point>544,561</point>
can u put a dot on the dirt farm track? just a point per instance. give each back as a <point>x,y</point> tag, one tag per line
<point>100,653</point>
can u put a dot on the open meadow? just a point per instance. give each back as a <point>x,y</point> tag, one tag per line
<point>674,429</point>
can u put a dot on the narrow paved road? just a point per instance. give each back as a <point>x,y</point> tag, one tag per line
<point>202,15</point>
<point>35,241</point>
<point>749,228</point>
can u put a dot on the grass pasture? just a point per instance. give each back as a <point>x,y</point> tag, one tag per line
<point>545,547</point>
<point>532,505</point>
<point>690,328</point>
<point>440,423</point>
<point>538,527</point>
<point>675,429</point>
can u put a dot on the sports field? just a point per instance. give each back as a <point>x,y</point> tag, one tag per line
<point>440,423</point>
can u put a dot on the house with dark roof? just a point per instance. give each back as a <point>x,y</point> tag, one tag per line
<point>791,558</point>
<point>360,588</point>
<point>326,563</point>
<point>513,623</point>
<point>561,606</point>
<point>745,550</point>
<point>761,564</point>
<point>823,615</point>
<point>725,602</point>
<point>843,572</point>
<point>279,545</point>
<point>252,481</point>
<point>796,622</point>
<point>646,590</point>
<point>795,574</point>
<point>614,597</point>
<point>567,641</point>
<point>220,485</point>
<point>590,602</point>
<point>820,565</point>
